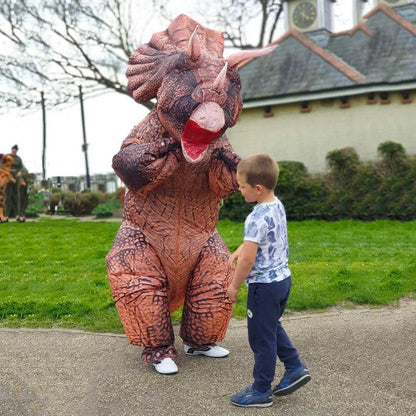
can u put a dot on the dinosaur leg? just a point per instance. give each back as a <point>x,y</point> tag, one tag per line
<point>2,217</point>
<point>207,310</point>
<point>139,288</point>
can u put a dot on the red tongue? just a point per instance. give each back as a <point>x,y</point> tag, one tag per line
<point>195,139</point>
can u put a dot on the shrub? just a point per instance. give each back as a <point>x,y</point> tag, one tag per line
<point>342,164</point>
<point>106,209</point>
<point>235,208</point>
<point>35,205</point>
<point>74,203</point>
<point>350,189</point>
<point>80,203</point>
<point>301,193</point>
<point>392,159</point>
<point>55,199</point>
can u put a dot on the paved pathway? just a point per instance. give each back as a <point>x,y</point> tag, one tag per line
<point>362,363</point>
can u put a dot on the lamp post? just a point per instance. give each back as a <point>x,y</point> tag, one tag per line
<point>85,145</point>
<point>42,100</point>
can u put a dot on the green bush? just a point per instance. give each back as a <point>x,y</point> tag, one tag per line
<point>235,208</point>
<point>106,209</point>
<point>74,203</point>
<point>302,194</point>
<point>350,189</point>
<point>35,205</point>
<point>55,199</point>
<point>80,203</point>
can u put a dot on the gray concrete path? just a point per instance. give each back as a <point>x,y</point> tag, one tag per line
<point>362,363</point>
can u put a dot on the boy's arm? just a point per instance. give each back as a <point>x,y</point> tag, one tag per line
<point>246,255</point>
<point>234,256</point>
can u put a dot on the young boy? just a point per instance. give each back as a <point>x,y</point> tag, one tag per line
<point>262,261</point>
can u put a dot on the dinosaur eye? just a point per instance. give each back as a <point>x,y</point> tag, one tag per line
<point>176,71</point>
<point>199,94</point>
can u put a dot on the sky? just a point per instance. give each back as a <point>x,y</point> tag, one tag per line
<point>108,118</point>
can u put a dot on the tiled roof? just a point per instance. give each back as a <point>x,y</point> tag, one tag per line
<point>381,50</point>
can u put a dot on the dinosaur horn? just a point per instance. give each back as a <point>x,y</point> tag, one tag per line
<point>194,46</point>
<point>240,58</point>
<point>219,83</point>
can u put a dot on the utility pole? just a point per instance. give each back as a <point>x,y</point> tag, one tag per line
<point>42,100</point>
<point>84,146</point>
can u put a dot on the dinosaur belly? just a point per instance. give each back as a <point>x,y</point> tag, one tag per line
<point>177,225</point>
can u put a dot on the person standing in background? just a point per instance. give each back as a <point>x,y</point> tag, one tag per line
<point>12,188</point>
<point>23,194</point>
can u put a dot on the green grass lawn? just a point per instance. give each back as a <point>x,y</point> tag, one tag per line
<point>52,272</point>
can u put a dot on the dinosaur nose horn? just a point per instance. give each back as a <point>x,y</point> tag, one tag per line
<point>194,46</point>
<point>219,83</point>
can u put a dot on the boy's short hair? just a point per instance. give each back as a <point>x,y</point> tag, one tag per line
<point>259,170</point>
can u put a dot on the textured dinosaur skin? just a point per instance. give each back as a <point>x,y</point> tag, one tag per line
<point>5,178</point>
<point>177,165</point>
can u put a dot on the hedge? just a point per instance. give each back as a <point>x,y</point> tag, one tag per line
<point>350,189</point>
<point>73,203</point>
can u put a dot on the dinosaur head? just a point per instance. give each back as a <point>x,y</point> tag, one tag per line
<point>7,162</point>
<point>197,90</point>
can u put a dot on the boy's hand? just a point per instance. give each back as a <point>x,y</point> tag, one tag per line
<point>232,293</point>
<point>246,256</point>
<point>234,257</point>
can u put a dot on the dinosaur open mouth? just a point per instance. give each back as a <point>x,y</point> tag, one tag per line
<point>195,141</point>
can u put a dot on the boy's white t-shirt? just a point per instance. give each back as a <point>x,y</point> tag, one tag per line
<point>266,226</point>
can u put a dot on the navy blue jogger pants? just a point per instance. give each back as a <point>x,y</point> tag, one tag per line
<point>266,303</point>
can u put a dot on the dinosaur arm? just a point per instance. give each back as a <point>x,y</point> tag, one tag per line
<point>142,166</point>
<point>7,175</point>
<point>222,172</point>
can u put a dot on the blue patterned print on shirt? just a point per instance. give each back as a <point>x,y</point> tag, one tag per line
<point>266,226</point>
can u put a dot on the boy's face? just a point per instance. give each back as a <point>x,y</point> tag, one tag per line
<point>250,193</point>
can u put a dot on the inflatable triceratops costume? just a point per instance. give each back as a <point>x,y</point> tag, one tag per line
<point>177,165</point>
<point>5,178</point>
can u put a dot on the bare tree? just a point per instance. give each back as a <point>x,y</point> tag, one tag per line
<point>246,23</point>
<point>57,45</point>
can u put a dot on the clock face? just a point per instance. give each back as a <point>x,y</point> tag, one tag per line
<point>304,15</point>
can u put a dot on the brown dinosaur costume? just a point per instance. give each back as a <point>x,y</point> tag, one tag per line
<point>5,178</point>
<point>177,165</point>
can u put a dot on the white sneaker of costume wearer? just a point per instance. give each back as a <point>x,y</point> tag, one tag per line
<point>166,366</point>
<point>213,351</point>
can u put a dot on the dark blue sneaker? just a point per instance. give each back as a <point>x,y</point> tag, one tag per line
<point>252,398</point>
<point>292,380</point>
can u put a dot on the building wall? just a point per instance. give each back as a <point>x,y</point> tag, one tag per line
<point>308,137</point>
<point>99,183</point>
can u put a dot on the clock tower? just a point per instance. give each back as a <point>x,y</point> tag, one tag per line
<point>308,15</point>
